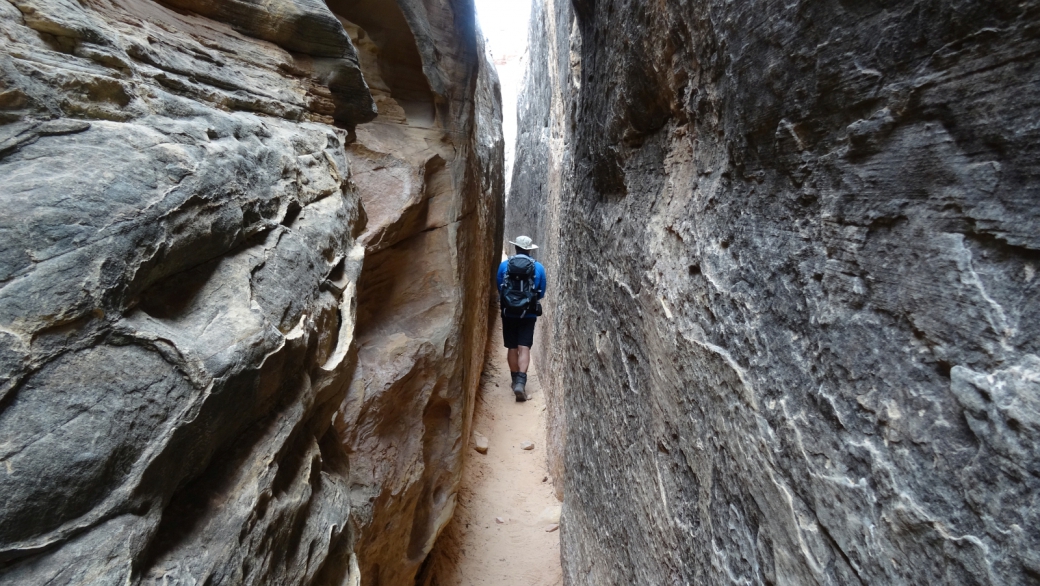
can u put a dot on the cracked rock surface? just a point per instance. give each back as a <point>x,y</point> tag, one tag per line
<point>795,336</point>
<point>182,258</point>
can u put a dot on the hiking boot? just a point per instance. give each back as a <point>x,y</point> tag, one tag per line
<point>521,394</point>
<point>518,387</point>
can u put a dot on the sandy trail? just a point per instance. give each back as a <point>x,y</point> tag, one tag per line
<point>507,483</point>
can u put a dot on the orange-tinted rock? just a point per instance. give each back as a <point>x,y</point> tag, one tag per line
<point>431,182</point>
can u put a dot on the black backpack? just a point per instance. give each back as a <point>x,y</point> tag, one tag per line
<point>517,295</point>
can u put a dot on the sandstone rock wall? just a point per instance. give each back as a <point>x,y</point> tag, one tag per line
<point>189,279</point>
<point>429,171</point>
<point>793,333</point>
<point>542,183</point>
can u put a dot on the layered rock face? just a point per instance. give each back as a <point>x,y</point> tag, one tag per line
<point>189,275</point>
<point>429,171</point>
<point>791,334</point>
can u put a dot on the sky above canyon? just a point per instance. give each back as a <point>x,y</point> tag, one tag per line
<point>504,23</point>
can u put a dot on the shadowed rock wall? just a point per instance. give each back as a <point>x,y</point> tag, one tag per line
<point>793,336</point>
<point>542,170</point>
<point>182,258</point>
<point>429,171</point>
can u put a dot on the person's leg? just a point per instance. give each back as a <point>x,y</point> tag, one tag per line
<point>514,360</point>
<point>510,328</point>
<point>524,341</point>
<point>523,359</point>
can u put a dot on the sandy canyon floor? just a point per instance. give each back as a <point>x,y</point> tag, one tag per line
<point>505,528</point>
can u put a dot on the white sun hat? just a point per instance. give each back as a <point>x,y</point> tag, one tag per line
<point>524,242</point>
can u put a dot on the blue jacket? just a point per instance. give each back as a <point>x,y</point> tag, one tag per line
<point>539,279</point>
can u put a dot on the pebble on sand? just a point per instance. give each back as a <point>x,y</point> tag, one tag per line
<point>526,446</point>
<point>551,515</point>
<point>480,443</point>
<point>499,520</point>
<point>551,528</point>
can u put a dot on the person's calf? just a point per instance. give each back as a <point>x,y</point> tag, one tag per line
<point>523,358</point>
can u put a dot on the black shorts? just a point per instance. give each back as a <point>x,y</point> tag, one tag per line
<point>518,331</point>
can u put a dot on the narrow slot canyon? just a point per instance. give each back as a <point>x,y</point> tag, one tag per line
<point>250,332</point>
<point>506,527</point>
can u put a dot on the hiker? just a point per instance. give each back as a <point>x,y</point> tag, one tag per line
<point>521,284</point>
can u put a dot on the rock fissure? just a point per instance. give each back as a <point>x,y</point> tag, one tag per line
<point>245,293</point>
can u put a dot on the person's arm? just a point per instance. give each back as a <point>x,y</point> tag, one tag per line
<point>542,280</point>
<point>500,278</point>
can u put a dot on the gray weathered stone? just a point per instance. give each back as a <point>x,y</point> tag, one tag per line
<point>181,256</point>
<point>793,338</point>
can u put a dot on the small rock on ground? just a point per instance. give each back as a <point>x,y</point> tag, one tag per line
<point>526,446</point>
<point>551,528</point>
<point>551,515</point>
<point>480,443</point>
